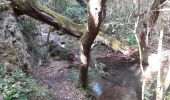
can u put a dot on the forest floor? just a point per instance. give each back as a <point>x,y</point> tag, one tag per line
<point>122,83</point>
<point>55,76</point>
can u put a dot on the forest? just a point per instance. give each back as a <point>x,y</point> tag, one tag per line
<point>84,49</point>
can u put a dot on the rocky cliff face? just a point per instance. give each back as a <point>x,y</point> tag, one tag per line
<point>12,44</point>
<point>20,41</point>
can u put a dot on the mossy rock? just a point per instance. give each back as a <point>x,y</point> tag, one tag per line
<point>63,53</point>
<point>7,54</point>
<point>54,50</point>
<point>66,56</point>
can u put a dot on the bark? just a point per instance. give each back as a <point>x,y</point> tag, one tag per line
<point>148,24</point>
<point>94,21</point>
<point>44,14</point>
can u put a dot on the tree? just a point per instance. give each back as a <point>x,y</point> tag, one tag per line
<point>94,20</point>
<point>39,12</point>
<point>46,15</point>
<point>148,25</point>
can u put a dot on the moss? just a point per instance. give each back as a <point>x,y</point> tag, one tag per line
<point>10,51</point>
<point>8,54</point>
<point>11,56</point>
<point>117,45</point>
<point>111,42</point>
<point>40,92</point>
<point>61,19</point>
<point>64,54</point>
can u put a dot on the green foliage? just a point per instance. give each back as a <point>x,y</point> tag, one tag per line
<point>30,32</point>
<point>76,13</point>
<point>117,21</point>
<point>74,75</point>
<point>61,3</point>
<point>89,93</point>
<point>96,74</point>
<point>73,10</point>
<point>92,74</point>
<point>119,30</point>
<point>167,96</point>
<point>15,85</point>
<point>40,92</point>
<point>131,40</point>
<point>150,90</point>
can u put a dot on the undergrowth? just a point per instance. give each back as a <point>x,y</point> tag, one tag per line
<point>14,85</point>
<point>150,91</point>
<point>77,14</point>
<point>92,74</point>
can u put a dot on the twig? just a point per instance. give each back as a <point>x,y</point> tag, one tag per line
<point>140,53</point>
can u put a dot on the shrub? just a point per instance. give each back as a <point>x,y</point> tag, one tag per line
<point>15,85</point>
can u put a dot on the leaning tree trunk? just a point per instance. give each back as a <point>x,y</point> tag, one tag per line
<point>46,15</point>
<point>94,21</point>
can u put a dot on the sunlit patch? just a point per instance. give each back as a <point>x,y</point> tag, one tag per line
<point>126,52</point>
<point>97,89</point>
<point>82,56</point>
<point>153,61</point>
<point>95,9</point>
<point>153,67</point>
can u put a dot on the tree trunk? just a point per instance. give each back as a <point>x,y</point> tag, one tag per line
<point>46,15</point>
<point>148,24</point>
<point>94,21</point>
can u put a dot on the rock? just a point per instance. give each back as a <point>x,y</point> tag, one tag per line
<point>11,39</point>
<point>63,53</point>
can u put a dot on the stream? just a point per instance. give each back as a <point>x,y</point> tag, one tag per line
<point>123,81</point>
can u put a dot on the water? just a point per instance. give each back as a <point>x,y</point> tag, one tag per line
<point>53,38</point>
<point>97,89</point>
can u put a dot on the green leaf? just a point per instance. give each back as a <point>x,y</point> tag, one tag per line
<point>2,85</point>
<point>17,95</point>
<point>9,80</point>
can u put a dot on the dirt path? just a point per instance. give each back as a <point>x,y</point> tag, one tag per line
<point>55,77</point>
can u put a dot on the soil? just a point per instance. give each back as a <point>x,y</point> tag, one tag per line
<point>55,77</point>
